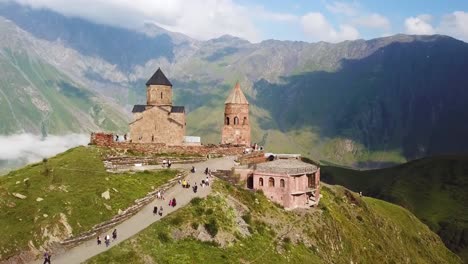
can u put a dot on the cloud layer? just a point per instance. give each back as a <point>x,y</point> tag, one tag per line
<point>206,19</point>
<point>21,149</point>
<point>202,19</point>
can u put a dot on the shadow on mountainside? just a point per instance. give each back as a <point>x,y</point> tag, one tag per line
<point>406,96</point>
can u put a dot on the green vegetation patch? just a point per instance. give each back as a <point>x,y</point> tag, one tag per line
<point>344,228</point>
<point>434,189</point>
<point>71,187</point>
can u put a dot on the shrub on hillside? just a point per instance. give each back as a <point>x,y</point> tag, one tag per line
<point>212,227</point>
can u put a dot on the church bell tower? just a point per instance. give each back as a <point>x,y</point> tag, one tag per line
<point>236,129</point>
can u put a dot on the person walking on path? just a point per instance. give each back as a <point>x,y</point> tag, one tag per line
<point>107,240</point>
<point>160,210</point>
<point>155,210</point>
<point>114,234</point>
<point>98,240</point>
<point>174,203</point>
<point>47,257</point>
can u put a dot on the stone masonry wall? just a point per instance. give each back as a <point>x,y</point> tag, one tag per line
<point>236,129</point>
<point>159,95</point>
<point>158,125</point>
<point>106,140</point>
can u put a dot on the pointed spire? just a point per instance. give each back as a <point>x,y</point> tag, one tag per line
<point>236,96</point>
<point>158,78</point>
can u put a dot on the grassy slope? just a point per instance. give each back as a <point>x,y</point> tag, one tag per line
<point>345,229</point>
<point>70,183</point>
<point>434,189</point>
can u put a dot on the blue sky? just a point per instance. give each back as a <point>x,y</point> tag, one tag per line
<point>305,20</point>
<point>355,13</point>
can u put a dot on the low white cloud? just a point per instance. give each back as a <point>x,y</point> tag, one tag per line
<point>343,8</point>
<point>201,19</point>
<point>419,25</point>
<point>455,25</point>
<point>317,28</point>
<point>374,20</point>
<point>357,16</point>
<point>260,12</point>
<point>26,148</point>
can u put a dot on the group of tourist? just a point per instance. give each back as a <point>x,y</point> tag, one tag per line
<point>160,195</point>
<point>117,138</point>
<point>107,239</point>
<point>184,183</point>
<point>155,210</point>
<point>167,163</point>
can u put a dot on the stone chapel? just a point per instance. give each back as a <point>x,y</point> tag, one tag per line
<point>158,121</point>
<point>236,129</point>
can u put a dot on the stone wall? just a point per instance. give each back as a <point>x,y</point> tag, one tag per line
<point>106,140</point>
<point>102,139</point>
<point>158,125</point>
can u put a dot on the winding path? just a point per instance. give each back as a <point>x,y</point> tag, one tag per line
<point>145,217</point>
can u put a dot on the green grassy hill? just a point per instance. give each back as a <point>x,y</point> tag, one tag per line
<point>234,225</point>
<point>70,185</point>
<point>434,189</point>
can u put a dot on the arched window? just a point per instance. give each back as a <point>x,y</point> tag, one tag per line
<point>260,182</point>
<point>271,182</point>
<point>282,183</point>
<point>161,95</point>
<point>244,122</point>
<point>227,120</point>
<point>236,120</point>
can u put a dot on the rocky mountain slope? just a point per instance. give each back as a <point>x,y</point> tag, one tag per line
<point>37,97</point>
<point>360,103</point>
<point>234,225</point>
<point>434,189</point>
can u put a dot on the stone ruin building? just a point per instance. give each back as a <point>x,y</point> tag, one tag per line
<point>236,129</point>
<point>283,178</point>
<point>289,182</point>
<point>158,121</point>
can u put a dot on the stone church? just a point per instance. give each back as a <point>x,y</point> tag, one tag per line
<point>236,129</point>
<point>158,121</point>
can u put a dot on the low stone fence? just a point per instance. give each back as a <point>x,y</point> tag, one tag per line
<point>127,213</point>
<point>124,162</point>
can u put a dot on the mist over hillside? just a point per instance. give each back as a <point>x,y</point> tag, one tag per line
<point>21,149</point>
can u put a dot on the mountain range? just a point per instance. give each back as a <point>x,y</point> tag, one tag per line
<point>362,103</point>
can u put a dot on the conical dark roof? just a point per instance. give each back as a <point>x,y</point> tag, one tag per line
<point>158,78</point>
